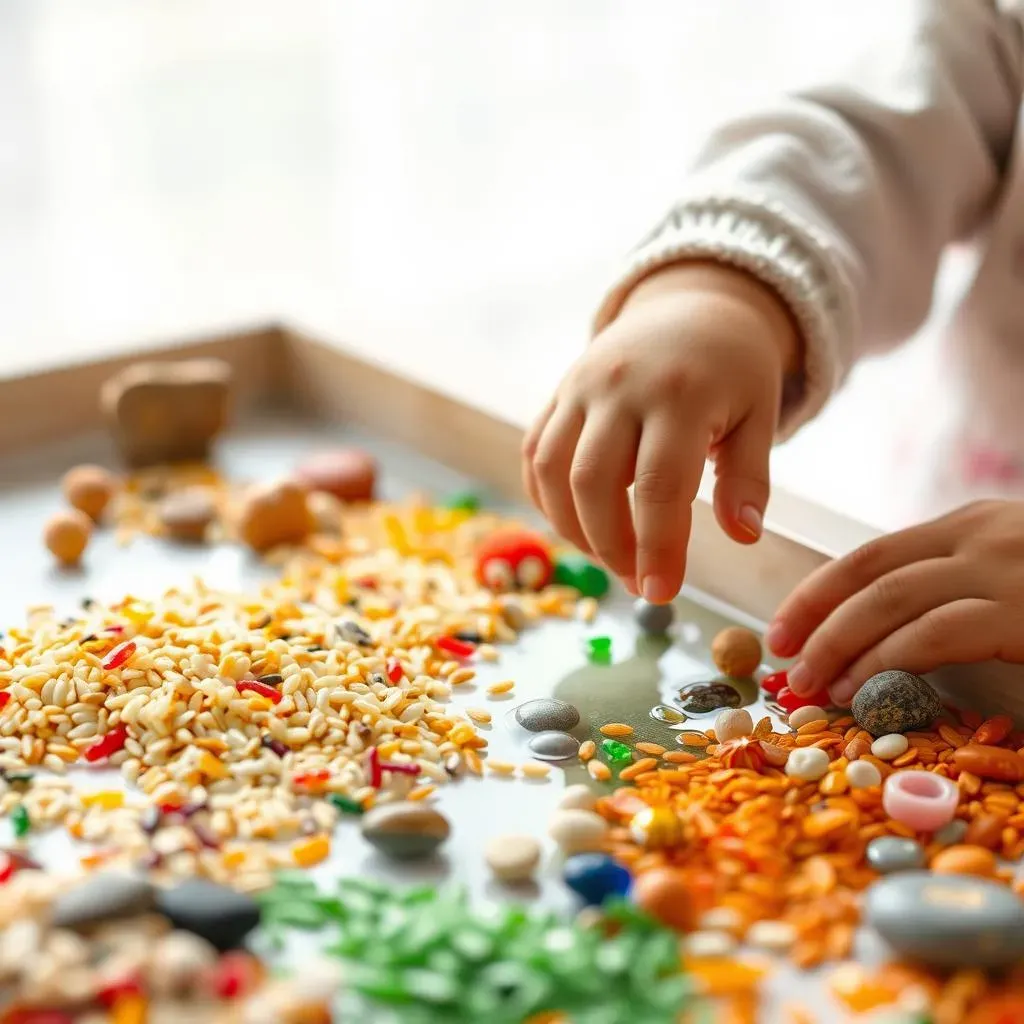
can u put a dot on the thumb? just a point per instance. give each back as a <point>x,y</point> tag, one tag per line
<point>741,484</point>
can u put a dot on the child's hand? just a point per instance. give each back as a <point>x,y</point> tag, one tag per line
<point>693,365</point>
<point>948,592</point>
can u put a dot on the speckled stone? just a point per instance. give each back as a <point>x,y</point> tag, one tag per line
<point>889,854</point>
<point>895,701</point>
<point>406,830</point>
<point>221,915</point>
<point>653,619</point>
<point>947,921</point>
<point>546,714</point>
<point>552,745</point>
<point>703,698</point>
<point>105,896</point>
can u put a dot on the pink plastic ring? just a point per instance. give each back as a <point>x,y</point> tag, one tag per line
<point>923,800</point>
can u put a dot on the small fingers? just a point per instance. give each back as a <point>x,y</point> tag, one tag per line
<point>741,487</point>
<point>551,464</point>
<point>954,634</point>
<point>669,464</point>
<point>869,616</point>
<point>828,587</point>
<point>602,469</point>
<point>529,452</point>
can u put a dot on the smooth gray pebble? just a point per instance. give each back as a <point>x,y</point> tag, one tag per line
<point>888,854</point>
<point>546,713</point>
<point>553,745</point>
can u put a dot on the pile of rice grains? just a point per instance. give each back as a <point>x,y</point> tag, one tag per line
<point>247,726</point>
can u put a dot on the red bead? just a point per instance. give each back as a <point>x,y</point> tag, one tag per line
<point>455,647</point>
<point>119,655</point>
<point>401,769</point>
<point>395,672</point>
<point>274,696</point>
<point>107,745</point>
<point>311,778</point>
<point>789,701</point>
<point>375,772</point>
<point>108,996</point>
<point>235,975</point>
<point>17,1016</point>
<point>775,682</point>
<point>7,868</point>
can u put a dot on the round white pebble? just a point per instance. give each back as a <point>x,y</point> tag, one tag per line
<point>708,944</point>
<point>806,715</point>
<point>862,774</point>
<point>578,831</point>
<point>733,723</point>
<point>890,746</point>
<point>578,797</point>
<point>775,936</point>
<point>513,858</point>
<point>807,763</point>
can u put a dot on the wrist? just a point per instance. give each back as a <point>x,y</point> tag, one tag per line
<point>734,285</point>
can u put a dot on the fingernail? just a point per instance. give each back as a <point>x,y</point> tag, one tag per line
<point>800,678</point>
<point>750,518</point>
<point>777,638</point>
<point>842,691</point>
<point>655,591</point>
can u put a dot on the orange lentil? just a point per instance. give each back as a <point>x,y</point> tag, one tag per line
<point>599,771</point>
<point>692,739</point>
<point>812,727</point>
<point>588,748</point>
<point>994,730</point>
<point>311,851</point>
<point>616,729</point>
<point>654,749</point>
<point>951,736</point>
<point>680,757</point>
<point>496,689</point>
<point>422,792</point>
<point>638,768</point>
<point>501,767</point>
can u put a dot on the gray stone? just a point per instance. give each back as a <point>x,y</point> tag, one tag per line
<point>105,896</point>
<point>895,701</point>
<point>214,912</point>
<point>406,830</point>
<point>546,713</point>
<point>888,854</point>
<point>653,619</point>
<point>951,834</point>
<point>554,746</point>
<point>947,921</point>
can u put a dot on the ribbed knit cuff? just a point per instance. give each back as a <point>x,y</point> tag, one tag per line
<point>761,237</point>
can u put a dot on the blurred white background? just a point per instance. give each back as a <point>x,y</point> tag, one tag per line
<point>446,185</point>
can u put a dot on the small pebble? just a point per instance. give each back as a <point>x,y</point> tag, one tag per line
<point>553,746</point>
<point>895,701</point>
<point>736,652</point>
<point>703,698</point>
<point>807,763</point>
<point>405,830</point>
<point>805,715</point>
<point>951,833</point>
<point>863,775</point>
<point>888,854</point>
<point>773,936</point>
<point>664,893</point>
<point>347,474</point>
<point>655,828</point>
<point>513,858</point>
<point>578,831</point>
<point>578,797</point>
<point>890,746</point>
<point>104,896</point>
<point>708,945</point>
<point>185,515</point>
<point>545,714</point>
<point>595,877</point>
<point>732,724</point>
<point>66,535</point>
<point>89,489</point>
<point>947,921</point>
<point>222,916</point>
<point>274,514</point>
<point>653,619</point>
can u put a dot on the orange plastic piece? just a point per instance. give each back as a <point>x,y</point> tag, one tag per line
<point>723,976</point>
<point>211,767</point>
<point>129,1009</point>
<point>108,799</point>
<point>859,993</point>
<point>311,851</point>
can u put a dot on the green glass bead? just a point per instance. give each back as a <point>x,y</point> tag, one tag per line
<point>599,650</point>
<point>20,821</point>
<point>617,752</point>
<point>345,804</point>
<point>463,501</point>
<point>579,572</point>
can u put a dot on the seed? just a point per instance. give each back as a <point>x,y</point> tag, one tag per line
<point>599,770</point>
<point>964,860</point>
<point>588,748</point>
<point>501,767</point>
<point>534,770</point>
<point>616,729</point>
<point>645,764</point>
<point>480,715</point>
<point>654,749</point>
<point>497,689</point>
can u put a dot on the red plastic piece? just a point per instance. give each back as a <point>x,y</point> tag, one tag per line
<point>789,701</point>
<point>5,696</point>
<point>775,682</point>
<point>455,647</point>
<point>120,654</point>
<point>401,769</point>
<point>109,995</point>
<point>235,975</point>
<point>7,868</point>
<point>375,771</point>
<point>395,671</point>
<point>311,779</point>
<point>107,745</point>
<point>16,1016</point>
<point>500,557</point>
<point>261,688</point>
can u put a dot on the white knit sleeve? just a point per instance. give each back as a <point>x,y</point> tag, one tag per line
<point>758,236</point>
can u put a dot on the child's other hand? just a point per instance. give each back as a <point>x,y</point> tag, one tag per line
<point>693,365</point>
<point>948,592</point>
